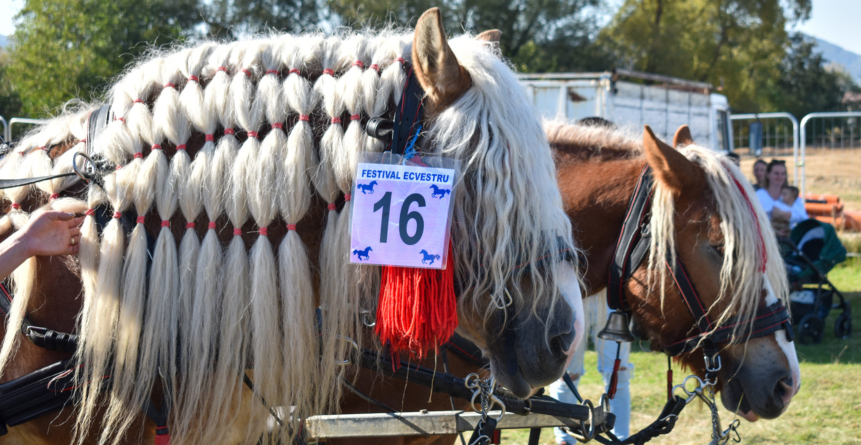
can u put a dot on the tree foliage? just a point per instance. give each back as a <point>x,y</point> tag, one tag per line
<point>736,44</point>
<point>537,35</point>
<point>65,49</point>
<point>10,102</point>
<point>805,84</point>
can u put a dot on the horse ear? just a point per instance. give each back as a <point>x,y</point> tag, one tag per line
<point>436,66</point>
<point>491,36</point>
<point>671,167</point>
<point>683,137</point>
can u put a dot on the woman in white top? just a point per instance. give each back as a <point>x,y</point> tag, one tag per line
<point>769,195</point>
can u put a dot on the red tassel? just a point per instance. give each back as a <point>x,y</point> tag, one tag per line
<point>417,310</point>
<point>614,379</point>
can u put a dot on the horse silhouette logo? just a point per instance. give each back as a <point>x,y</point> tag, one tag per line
<point>367,189</point>
<point>438,192</point>
<point>363,255</point>
<point>428,258</point>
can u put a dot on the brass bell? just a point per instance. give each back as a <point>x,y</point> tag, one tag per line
<point>616,328</point>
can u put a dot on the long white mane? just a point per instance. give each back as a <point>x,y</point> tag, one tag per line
<point>282,119</point>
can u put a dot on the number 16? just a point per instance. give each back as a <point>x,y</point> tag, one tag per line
<point>386,203</point>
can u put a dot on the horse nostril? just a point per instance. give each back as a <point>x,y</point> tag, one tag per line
<point>562,342</point>
<point>783,390</point>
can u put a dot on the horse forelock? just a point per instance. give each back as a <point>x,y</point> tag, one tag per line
<point>746,234</point>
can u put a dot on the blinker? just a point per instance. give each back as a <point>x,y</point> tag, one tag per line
<point>616,328</point>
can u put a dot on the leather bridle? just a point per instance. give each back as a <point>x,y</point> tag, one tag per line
<point>631,249</point>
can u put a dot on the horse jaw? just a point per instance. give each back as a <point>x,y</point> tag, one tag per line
<point>788,347</point>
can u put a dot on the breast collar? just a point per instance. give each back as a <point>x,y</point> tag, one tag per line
<point>631,249</point>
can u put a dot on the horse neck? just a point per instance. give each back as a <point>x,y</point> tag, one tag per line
<point>596,194</point>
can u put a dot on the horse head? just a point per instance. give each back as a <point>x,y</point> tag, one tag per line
<point>704,212</point>
<point>509,301</point>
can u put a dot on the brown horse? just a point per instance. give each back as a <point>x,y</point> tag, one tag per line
<point>180,105</point>
<point>597,171</point>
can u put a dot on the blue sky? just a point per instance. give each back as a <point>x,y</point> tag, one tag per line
<point>836,21</point>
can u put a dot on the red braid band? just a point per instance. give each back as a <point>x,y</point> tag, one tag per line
<point>329,71</point>
<point>180,147</point>
<point>212,225</point>
<point>278,125</point>
<point>210,137</point>
<point>347,197</point>
<point>55,196</point>
<point>118,215</point>
<point>237,232</point>
<point>189,225</point>
<point>165,223</point>
<point>304,117</point>
<point>359,64</point>
<point>156,147</point>
<point>336,120</point>
<point>193,79</point>
<point>263,231</point>
<point>140,220</point>
<point>356,117</point>
<point>170,85</point>
<point>291,226</point>
<point>138,155</point>
<point>90,212</point>
<point>16,206</point>
<point>252,134</point>
<point>331,206</point>
<point>294,71</point>
<point>275,72</point>
<point>229,131</point>
<point>247,73</point>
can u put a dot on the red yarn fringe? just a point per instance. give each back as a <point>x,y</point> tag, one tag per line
<point>417,310</point>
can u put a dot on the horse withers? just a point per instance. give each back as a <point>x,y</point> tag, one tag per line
<point>250,145</point>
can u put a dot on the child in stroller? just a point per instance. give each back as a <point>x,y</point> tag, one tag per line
<point>810,252</point>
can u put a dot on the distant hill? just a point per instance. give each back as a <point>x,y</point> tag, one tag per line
<point>4,41</point>
<point>835,54</point>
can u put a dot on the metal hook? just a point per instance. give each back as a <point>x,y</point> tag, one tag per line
<point>352,343</point>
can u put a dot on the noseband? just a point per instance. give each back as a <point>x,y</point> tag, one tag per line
<point>631,249</point>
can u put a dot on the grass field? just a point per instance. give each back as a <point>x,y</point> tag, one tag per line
<point>827,410</point>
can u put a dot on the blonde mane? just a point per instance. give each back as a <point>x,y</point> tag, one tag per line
<point>207,311</point>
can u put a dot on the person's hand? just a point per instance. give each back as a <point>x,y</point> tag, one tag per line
<point>52,233</point>
<point>780,214</point>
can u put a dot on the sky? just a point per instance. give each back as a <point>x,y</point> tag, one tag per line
<point>835,21</point>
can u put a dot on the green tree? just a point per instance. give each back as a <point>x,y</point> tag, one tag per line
<point>805,84</point>
<point>10,103</point>
<point>736,44</point>
<point>232,18</point>
<point>66,49</point>
<point>537,35</point>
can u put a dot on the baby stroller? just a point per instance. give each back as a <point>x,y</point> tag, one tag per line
<point>811,251</point>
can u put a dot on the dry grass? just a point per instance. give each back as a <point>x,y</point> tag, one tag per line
<point>828,171</point>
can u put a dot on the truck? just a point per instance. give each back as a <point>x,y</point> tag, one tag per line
<point>632,99</point>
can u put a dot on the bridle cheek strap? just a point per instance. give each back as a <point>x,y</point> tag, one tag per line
<point>631,249</point>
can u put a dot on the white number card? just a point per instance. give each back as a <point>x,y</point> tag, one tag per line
<point>401,215</point>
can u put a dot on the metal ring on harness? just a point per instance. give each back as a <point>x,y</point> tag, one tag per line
<point>493,401</point>
<point>84,176</point>
<point>586,437</point>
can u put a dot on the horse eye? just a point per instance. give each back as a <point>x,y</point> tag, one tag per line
<point>719,249</point>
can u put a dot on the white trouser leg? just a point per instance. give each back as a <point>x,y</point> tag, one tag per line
<point>620,405</point>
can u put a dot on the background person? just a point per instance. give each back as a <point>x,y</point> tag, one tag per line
<point>596,313</point>
<point>783,216</point>
<point>46,233</point>
<point>759,168</point>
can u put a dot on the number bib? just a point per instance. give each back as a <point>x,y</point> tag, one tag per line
<point>401,215</point>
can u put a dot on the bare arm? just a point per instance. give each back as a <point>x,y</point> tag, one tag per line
<point>47,233</point>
